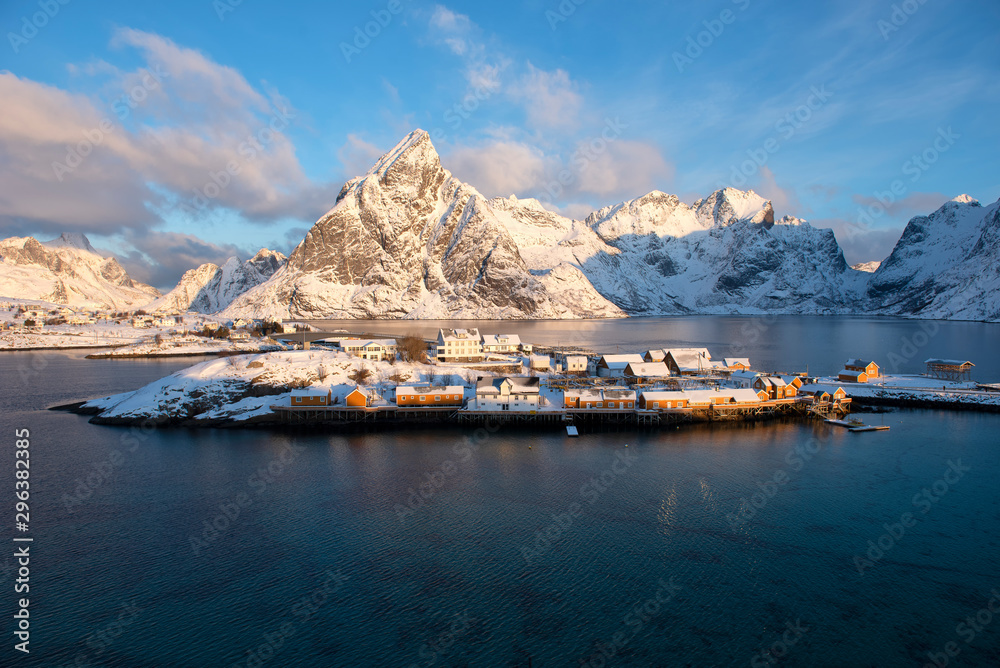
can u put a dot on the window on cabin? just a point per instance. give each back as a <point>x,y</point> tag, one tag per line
<point>423,398</point>
<point>437,397</point>
<point>656,404</point>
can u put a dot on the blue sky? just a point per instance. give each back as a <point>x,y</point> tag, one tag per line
<point>852,115</point>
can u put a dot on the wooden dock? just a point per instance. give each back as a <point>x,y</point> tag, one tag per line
<point>549,417</point>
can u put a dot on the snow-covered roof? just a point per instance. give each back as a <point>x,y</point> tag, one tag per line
<point>458,334</point>
<point>501,340</point>
<point>848,373</point>
<point>620,361</point>
<point>858,362</point>
<point>690,359</point>
<point>647,369</point>
<point>655,355</point>
<point>518,384</point>
<point>309,393</point>
<point>935,361</point>
<point>619,394</point>
<point>430,389</point>
<point>733,361</point>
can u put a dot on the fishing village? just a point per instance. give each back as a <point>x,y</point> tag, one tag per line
<point>510,382</point>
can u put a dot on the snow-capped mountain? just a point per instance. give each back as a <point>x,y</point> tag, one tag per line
<point>211,288</point>
<point>945,265</point>
<point>409,240</point>
<point>723,254</point>
<point>67,271</point>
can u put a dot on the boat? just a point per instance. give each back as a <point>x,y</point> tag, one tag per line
<point>572,431</point>
<point>852,423</point>
<point>870,427</point>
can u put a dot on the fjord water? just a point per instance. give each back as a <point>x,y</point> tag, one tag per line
<point>325,564</point>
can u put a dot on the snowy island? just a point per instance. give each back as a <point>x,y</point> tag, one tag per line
<point>389,382</point>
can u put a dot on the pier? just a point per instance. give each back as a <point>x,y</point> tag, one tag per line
<point>582,418</point>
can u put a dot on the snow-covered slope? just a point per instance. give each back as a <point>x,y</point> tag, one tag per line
<point>723,254</point>
<point>945,265</point>
<point>409,240</point>
<point>211,288</point>
<point>67,271</point>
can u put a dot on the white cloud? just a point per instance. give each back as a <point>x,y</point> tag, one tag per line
<point>183,121</point>
<point>357,155</point>
<point>784,200</point>
<point>499,168</point>
<point>624,169</point>
<point>550,99</point>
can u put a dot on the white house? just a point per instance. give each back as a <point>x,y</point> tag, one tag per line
<point>511,393</point>
<point>501,343</point>
<point>743,379</point>
<point>370,349</point>
<point>540,362</point>
<point>459,345</point>
<point>576,364</point>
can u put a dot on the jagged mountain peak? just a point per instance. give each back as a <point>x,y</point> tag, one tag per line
<point>211,287</point>
<point>729,205</point>
<point>966,199</point>
<point>75,240</point>
<point>67,271</point>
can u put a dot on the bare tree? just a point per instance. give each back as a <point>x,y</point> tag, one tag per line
<point>360,375</point>
<point>412,348</point>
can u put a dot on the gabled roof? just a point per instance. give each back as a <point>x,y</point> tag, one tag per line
<point>518,384</point>
<point>934,360</point>
<point>620,361</point>
<point>858,362</point>
<point>851,374</point>
<point>459,334</point>
<point>731,361</point>
<point>690,359</point>
<point>656,355</point>
<point>501,340</point>
<point>648,369</point>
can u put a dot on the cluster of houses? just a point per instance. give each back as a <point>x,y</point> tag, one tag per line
<point>668,379</point>
<point>668,362</point>
<point>523,394</point>
<point>468,345</point>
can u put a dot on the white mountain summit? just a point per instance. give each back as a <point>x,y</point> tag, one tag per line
<point>408,240</point>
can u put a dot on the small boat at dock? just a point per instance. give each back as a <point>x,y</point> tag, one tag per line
<point>852,423</point>
<point>572,431</point>
<point>870,427</point>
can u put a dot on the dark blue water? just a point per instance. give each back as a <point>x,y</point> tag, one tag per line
<point>644,556</point>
